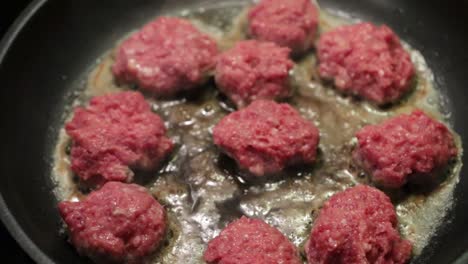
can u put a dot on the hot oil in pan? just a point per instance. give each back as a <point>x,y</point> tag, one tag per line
<point>201,188</point>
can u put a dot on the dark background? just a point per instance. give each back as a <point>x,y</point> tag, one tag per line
<point>9,10</point>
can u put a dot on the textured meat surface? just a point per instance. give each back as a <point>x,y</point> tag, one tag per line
<point>266,136</point>
<point>357,226</point>
<point>367,61</point>
<point>114,133</point>
<point>119,223</point>
<point>406,145</point>
<point>291,23</point>
<point>201,195</point>
<point>251,241</point>
<point>254,70</point>
<point>165,57</point>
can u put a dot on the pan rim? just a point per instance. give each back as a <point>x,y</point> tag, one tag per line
<point>6,216</point>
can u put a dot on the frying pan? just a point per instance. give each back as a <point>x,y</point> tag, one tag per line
<point>48,49</point>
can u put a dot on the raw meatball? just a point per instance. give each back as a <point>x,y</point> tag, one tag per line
<point>367,61</point>
<point>291,23</point>
<point>358,225</point>
<point>251,241</point>
<point>254,70</point>
<point>115,133</point>
<point>165,57</point>
<point>119,223</point>
<point>404,148</point>
<point>266,136</point>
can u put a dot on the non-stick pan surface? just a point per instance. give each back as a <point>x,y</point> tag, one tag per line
<point>51,45</point>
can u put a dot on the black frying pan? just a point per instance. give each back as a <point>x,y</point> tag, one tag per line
<point>53,43</point>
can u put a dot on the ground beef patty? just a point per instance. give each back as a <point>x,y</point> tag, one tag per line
<point>358,225</point>
<point>367,61</point>
<point>165,57</point>
<point>119,223</point>
<point>114,133</point>
<point>254,70</point>
<point>267,136</point>
<point>291,23</point>
<point>251,241</point>
<point>404,148</point>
